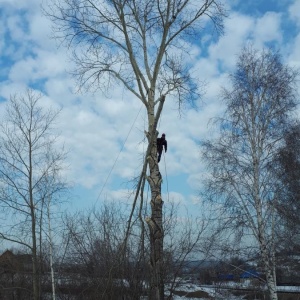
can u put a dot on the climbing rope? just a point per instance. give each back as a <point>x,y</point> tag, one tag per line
<point>114,164</point>
<point>166,177</point>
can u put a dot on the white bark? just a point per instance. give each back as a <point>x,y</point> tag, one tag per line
<point>51,251</point>
<point>259,106</point>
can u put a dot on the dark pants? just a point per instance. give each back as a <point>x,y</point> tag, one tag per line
<point>159,156</point>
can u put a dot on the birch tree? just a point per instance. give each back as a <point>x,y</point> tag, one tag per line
<point>143,45</point>
<point>259,106</point>
<point>28,159</point>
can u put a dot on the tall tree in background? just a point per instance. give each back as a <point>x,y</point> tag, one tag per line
<point>259,105</point>
<point>29,173</point>
<point>141,44</point>
<point>289,174</point>
<point>287,168</point>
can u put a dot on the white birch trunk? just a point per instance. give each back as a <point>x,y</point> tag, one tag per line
<point>155,221</point>
<point>268,267</point>
<point>51,253</point>
<point>265,255</point>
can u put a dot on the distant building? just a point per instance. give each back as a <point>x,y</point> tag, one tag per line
<point>15,263</point>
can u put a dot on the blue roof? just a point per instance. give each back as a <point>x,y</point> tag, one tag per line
<point>250,274</point>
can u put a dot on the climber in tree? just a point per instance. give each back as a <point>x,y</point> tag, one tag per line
<point>161,142</point>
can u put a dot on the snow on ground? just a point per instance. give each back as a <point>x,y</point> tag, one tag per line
<point>290,289</point>
<point>220,292</point>
<point>213,292</point>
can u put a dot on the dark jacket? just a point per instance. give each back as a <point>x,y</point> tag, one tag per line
<point>161,142</point>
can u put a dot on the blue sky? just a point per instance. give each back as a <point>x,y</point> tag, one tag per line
<point>94,128</point>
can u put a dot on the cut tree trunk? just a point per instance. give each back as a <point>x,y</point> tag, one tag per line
<point>156,228</point>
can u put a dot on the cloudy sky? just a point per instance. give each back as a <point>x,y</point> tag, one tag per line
<point>95,128</point>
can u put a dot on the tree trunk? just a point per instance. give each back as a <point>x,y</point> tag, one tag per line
<point>156,229</point>
<point>268,264</point>
<point>266,257</point>
<point>35,278</point>
<point>271,281</point>
<point>51,252</point>
<point>155,221</point>
<point>35,282</point>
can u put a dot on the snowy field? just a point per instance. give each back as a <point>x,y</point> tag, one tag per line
<point>219,292</point>
<point>211,292</point>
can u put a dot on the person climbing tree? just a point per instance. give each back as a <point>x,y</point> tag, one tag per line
<point>132,43</point>
<point>161,142</point>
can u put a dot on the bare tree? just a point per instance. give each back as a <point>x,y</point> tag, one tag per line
<point>187,238</point>
<point>94,267</point>
<point>259,106</point>
<point>142,45</point>
<point>28,159</point>
<point>93,241</point>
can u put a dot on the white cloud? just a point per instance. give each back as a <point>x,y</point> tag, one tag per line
<point>41,65</point>
<point>237,30</point>
<point>40,31</point>
<point>2,36</point>
<point>18,5</point>
<point>22,70</point>
<point>294,10</point>
<point>294,57</point>
<point>267,29</point>
<point>174,197</point>
<point>15,27</point>
<point>10,88</point>
<point>94,128</point>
